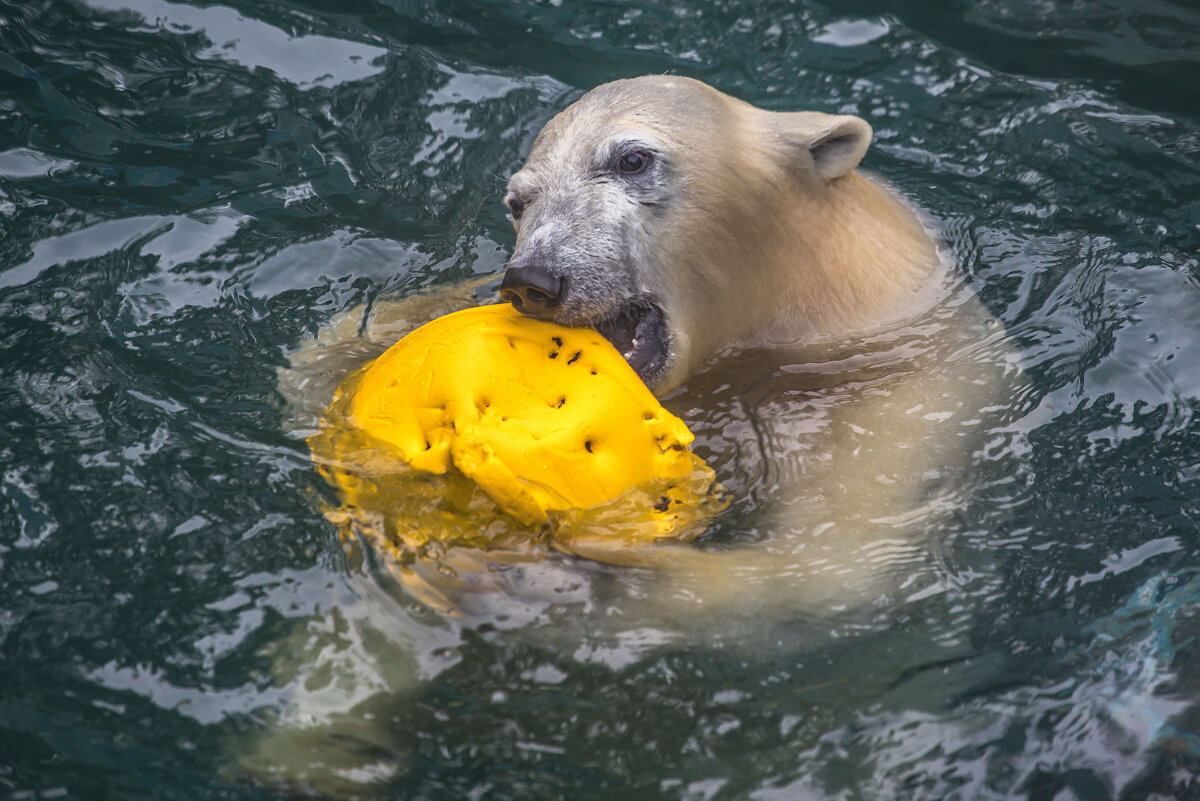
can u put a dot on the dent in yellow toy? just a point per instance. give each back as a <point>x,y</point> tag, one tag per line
<point>490,429</point>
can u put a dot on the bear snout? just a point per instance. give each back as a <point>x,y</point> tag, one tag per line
<point>532,289</point>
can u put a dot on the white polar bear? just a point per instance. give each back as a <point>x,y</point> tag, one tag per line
<point>661,210</point>
<point>794,312</point>
<point>684,224</point>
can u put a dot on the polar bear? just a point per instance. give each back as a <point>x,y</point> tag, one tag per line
<point>718,245</point>
<point>683,224</point>
<point>680,222</point>
<point>794,312</point>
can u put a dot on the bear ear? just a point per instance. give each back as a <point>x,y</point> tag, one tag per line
<point>832,143</point>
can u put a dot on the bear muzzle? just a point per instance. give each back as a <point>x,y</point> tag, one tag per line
<point>532,289</point>
<point>637,327</point>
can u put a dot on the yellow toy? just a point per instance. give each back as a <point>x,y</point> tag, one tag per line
<point>487,428</point>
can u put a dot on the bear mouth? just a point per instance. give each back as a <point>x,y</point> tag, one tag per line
<point>638,330</point>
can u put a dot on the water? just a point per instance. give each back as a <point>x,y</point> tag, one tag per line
<point>185,191</point>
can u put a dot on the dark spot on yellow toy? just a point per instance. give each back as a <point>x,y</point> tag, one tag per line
<point>559,403</point>
<point>667,447</point>
<point>588,446</point>
<point>557,341</point>
<point>664,503</point>
<point>575,358</point>
<point>554,355</point>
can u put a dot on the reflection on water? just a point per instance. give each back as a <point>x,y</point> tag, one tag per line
<point>302,60</point>
<point>187,190</point>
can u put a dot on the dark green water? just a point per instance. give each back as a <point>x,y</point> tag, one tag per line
<point>186,190</point>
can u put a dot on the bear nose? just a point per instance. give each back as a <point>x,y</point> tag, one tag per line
<point>531,289</point>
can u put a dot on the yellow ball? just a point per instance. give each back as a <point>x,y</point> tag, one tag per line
<point>546,420</point>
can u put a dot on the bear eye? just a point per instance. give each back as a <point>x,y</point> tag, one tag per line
<point>634,162</point>
<point>516,206</point>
